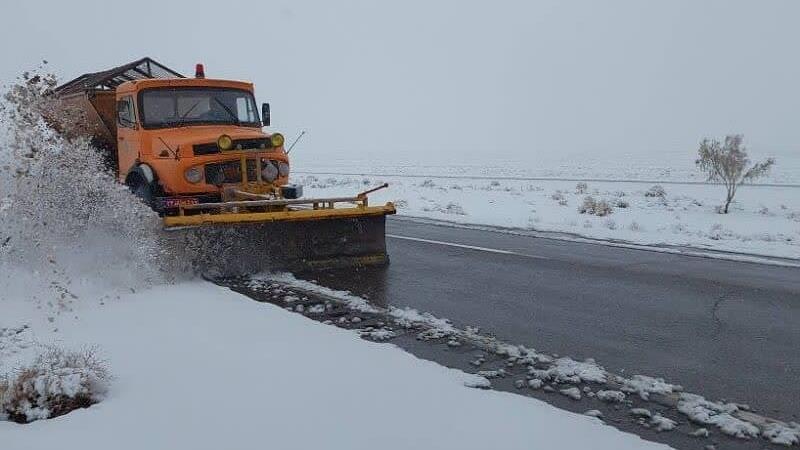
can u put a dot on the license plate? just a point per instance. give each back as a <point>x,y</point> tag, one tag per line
<point>177,202</point>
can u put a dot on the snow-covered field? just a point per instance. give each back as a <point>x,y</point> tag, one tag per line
<point>668,167</point>
<point>198,366</point>
<point>764,220</point>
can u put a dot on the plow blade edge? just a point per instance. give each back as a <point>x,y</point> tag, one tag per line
<point>232,249</point>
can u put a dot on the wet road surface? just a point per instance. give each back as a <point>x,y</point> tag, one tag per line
<point>723,329</point>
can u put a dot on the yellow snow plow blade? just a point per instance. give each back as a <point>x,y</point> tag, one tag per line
<point>262,233</point>
<point>287,215</point>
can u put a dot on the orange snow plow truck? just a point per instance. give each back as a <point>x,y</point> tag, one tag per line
<point>194,150</point>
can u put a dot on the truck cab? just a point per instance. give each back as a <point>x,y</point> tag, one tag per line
<point>194,149</point>
<point>185,140</point>
<point>178,141</point>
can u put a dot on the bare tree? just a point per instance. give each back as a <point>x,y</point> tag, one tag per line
<point>727,163</point>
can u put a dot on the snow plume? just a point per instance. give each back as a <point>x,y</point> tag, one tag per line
<point>63,215</point>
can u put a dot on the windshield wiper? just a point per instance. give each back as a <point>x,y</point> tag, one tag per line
<point>190,110</point>
<point>229,111</point>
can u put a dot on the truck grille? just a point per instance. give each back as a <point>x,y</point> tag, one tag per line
<point>230,172</point>
<point>238,144</point>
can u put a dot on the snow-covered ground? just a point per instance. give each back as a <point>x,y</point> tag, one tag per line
<point>198,366</point>
<point>669,167</point>
<point>764,220</point>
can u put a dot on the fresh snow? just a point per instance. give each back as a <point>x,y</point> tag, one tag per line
<point>661,423</point>
<point>705,412</point>
<point>563,370</point>
<point>573,393</point>
<point>198,366</point>
<point>764,220</point>
<point>567,370</point>
<point>611,396</point>
<point>644,385</point>
<point>782,434</point>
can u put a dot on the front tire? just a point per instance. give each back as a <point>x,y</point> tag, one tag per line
<point>142,189</point>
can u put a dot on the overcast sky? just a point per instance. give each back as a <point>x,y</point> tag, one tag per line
<point>459,81</point>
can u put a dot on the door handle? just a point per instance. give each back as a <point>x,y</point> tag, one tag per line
<point>121,138</point>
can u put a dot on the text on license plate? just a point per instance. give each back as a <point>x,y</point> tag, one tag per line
<point>176,202</point>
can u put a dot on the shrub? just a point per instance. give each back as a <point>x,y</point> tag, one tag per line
<point>427,183</point>
<point>611,224</point>
<point>454,208</point>
<point>56,383</point>
<point>634,226</point>
<point>727,163</point>
<point>598,208</point>
<point>656,191</point>
<point>603,208</point>
<point>581,188</point>
<point>622,204</point>
<point>588,206</point>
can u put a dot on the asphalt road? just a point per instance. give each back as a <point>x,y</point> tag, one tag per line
<point>727,330</point>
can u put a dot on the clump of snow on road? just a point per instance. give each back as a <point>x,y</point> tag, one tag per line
<point>610,396</point>
<point>705,412</point>
<point>644,386</point>
<point>573,393</point>
<point>353,302</point>
<point>567,370</point>
<point>379,334</point>
<point>661,423</point>
<point>782,434</point>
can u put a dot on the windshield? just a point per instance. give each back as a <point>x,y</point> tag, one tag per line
<point>168,107</point>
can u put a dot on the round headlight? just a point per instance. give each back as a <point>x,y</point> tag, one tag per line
<point>283,169</point>
<point>268,171</point>
<point>276,140</point>
<point>224,142</point>
<point>193,175</point>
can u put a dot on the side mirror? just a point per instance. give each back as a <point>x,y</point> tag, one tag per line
<point>265,114</point>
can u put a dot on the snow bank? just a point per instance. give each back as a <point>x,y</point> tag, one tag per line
<point>198,366</point>
<point>765,220</point>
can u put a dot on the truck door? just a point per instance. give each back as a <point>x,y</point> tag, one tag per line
<point>127,135</point>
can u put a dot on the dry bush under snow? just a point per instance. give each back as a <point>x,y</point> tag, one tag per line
<point>657,191</point>
<point>598,208</point>
<point>57,382</point>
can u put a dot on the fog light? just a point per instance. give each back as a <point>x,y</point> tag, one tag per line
<point>268,171</point>
<point>276,140</point>
<point>224,142</point>
<point>193,175</point>
<point>283,169</point>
